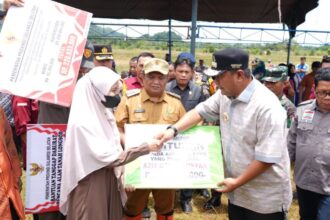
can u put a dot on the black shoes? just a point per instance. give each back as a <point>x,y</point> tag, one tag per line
<point>146,213</point>
<point>213,202</point>
<point>205,193</point>
<point>186,207</point>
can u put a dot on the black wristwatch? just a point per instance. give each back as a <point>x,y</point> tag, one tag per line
<point>174,129</point>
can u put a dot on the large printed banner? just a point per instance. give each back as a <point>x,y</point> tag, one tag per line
<point>192,160</point>
<point>44,167</point>
<point>41,46</point>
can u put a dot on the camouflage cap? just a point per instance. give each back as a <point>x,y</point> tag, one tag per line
<point>276,74</point>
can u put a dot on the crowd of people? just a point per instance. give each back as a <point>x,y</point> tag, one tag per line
<point>271,118</point>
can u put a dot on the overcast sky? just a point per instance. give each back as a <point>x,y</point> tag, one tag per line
<point>318,19</point>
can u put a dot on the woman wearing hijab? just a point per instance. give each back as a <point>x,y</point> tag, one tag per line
<point>92,185</point>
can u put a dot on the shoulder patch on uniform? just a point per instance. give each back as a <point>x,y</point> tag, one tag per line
<point>173,94</point>
<point>306,102</point>
<point>132,92</point>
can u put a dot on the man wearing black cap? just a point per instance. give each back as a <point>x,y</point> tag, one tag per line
<point>252,124</point>
<point>103,56</point>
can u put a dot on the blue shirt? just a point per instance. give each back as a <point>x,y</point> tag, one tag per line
<point>303,67</point>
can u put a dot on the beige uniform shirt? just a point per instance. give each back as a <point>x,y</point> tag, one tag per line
<point>136,107</point>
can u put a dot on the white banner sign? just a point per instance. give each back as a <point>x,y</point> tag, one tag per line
<point>44,167</point>
<point>41,47</point>
<point>191,160</point>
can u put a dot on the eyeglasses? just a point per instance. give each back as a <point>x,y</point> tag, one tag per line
<point>322,94</point>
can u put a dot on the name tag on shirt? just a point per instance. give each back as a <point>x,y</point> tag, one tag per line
<point>139,110</point>
<point>22,104</point>
<point>308,116</point>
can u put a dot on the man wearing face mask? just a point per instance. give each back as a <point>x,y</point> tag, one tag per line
<point>150,105</point>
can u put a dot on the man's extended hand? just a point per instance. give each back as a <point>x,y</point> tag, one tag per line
<point>165,135</point>
<point>154,145</point>
<point>228,184</point>
<point>254,169</point>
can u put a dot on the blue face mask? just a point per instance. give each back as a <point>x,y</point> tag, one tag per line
<point>111,101</point>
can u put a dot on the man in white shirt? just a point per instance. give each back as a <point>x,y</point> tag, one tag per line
<point>252,124</point>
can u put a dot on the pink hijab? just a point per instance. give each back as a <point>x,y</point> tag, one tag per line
<point>92,138</point>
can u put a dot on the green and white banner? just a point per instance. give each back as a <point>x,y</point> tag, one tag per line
<point>192,160</point>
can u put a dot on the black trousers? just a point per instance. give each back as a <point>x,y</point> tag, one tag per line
<point>239,213</point>
<point>13,212</point>
<point>313,205</point>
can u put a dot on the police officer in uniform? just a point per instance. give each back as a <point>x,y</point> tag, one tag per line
<point>103,56</point>
<point>276,79</point>
<point>150,105</point>
<point>309,149</point>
